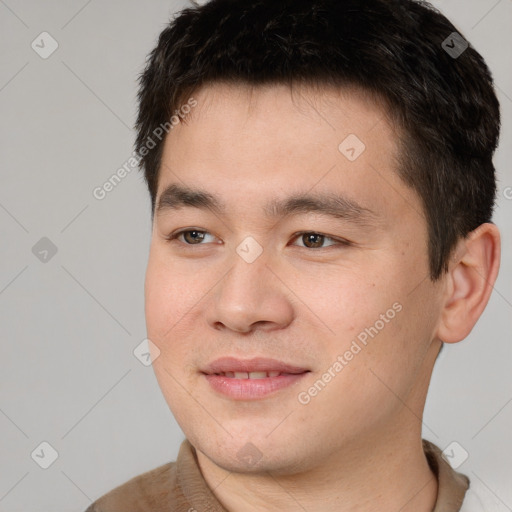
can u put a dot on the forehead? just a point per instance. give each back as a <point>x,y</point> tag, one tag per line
<point>313,103</point>
<point>260,141</point>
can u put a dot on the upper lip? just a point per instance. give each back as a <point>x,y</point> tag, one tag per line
<point>257,364</point>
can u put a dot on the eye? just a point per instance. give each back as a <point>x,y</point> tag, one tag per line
<point>314,240</point>
<point>310,239</point>
<point>190,236</point>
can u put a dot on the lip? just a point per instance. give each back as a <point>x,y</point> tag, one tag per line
<point>251,389</point>
<point>256,364</point>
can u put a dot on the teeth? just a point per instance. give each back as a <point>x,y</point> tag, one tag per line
<point>250,375</point>
<point>258,375</point>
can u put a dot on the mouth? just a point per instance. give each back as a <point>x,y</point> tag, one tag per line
<point>251,375</point>
<point>251,368</point>
<point>251,379</point>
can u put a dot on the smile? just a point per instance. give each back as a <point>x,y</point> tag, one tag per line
<point>251,379</point>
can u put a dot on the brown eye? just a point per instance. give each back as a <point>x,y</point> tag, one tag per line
<point>189,236</point>
<point>313,240</point>
<point>194,238</point>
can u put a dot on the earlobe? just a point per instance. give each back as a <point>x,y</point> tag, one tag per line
<point>469,283</point>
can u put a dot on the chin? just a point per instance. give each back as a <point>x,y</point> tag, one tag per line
<point>252,455</point>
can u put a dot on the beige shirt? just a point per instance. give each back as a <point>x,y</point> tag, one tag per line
<point>180,487</point>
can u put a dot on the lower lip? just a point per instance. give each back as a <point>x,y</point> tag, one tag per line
<point>251,389</point>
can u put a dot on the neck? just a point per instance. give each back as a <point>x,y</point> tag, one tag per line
<point>389,473</point>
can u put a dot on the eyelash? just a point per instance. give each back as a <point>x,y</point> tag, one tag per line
<point>340,241</point>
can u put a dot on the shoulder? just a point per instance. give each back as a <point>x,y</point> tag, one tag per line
<point>150,491</point>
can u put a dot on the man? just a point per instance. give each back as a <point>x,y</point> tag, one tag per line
<point>322,190</point>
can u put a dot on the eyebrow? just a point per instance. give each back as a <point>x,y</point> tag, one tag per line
<point>177,196</point>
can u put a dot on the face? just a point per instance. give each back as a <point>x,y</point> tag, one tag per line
<point>307,258</point>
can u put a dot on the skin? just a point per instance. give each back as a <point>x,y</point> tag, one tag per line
<point>357,444</point>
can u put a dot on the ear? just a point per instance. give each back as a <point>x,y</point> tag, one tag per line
<point>469,282</point>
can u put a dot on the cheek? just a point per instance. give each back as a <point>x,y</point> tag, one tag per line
<point>170,291</point>
<point>167,301</point>
<point>345,300</point>
<point>372,318</point>
<point>175,295</point>
<point>159,291</point>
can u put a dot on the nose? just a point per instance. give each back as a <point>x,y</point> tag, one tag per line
<point>251,295</point>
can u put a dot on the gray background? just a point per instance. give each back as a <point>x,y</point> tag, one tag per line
<point>69,325</point>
